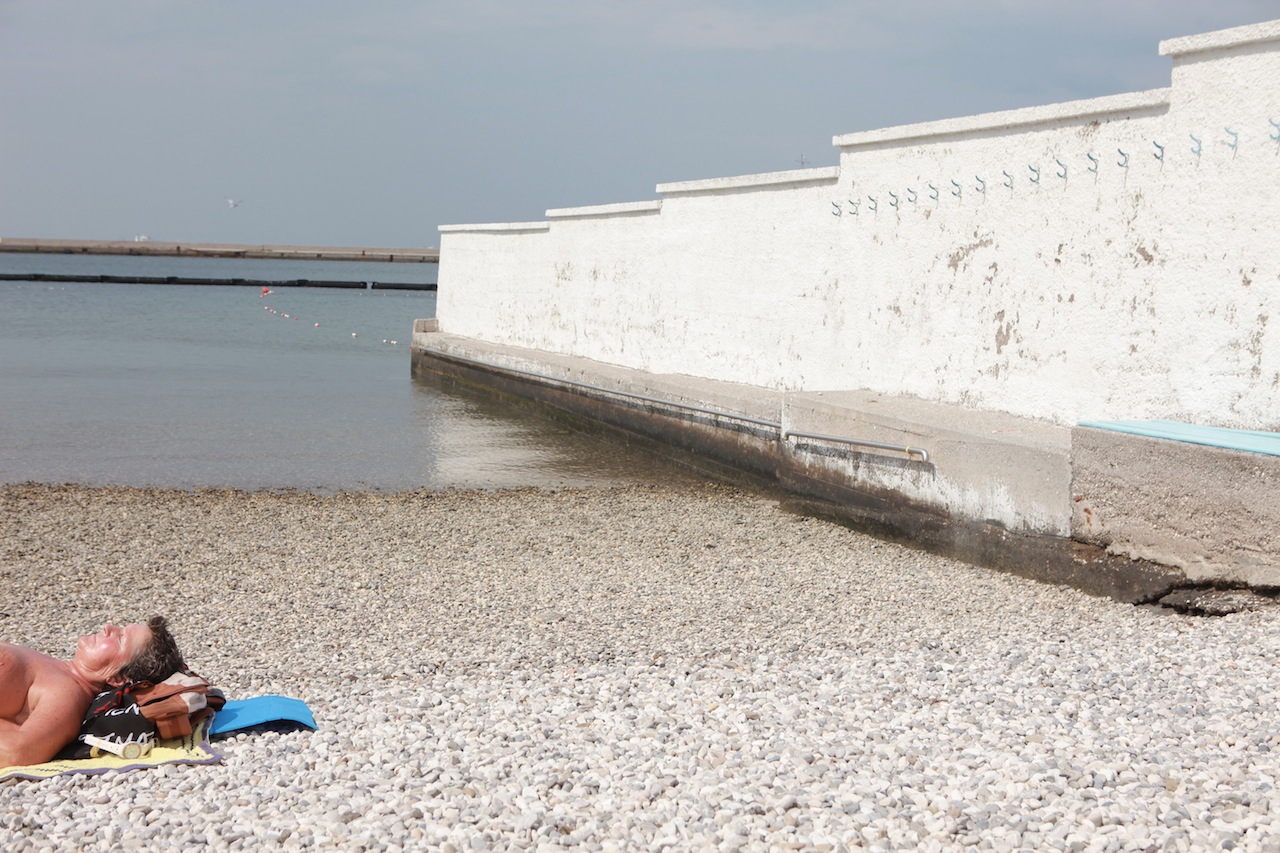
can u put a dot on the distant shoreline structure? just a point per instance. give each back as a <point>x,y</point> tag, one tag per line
<point>219,250</point>
<point>252,282</point>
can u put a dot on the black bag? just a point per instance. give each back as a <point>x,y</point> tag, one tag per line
<point>117,725</point>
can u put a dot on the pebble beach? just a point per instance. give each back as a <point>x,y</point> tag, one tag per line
<point>634,668</point>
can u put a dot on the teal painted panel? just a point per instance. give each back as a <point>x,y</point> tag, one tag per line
<point>1248,440</point>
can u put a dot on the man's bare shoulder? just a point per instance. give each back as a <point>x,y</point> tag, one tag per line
<point>15,662</point>
<point>19,659</point>
<point>16,678</point>
<point>10,654</point>
<point>26,675</point>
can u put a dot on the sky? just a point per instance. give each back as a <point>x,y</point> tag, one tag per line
<point>333,122</point>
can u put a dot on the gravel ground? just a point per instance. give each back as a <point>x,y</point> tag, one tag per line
<point>634,669</point>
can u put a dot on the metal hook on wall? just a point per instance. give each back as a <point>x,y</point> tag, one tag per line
<point>955,192</point>
<point>1094,161</point>
<point>853,206</point>
<point>1123,164</point>
<point>982,185</point>
<point>1235,140</point>
<point>1275,137</point>
<point>911,195</point>
<point>1159,152</point>
<point>873,206</point>
<point>893,203</point>
<point>933,194</point>
<point>837,211</point>
<point>1035,174</point>
<point>1196,149</point>
<point>1063,167</point>
<point>1008,179</point>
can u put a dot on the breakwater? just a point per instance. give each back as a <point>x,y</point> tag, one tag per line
<point>251,282</point>
<point>219,250</point>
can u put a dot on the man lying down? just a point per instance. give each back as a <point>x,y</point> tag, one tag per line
<point>43,699</point>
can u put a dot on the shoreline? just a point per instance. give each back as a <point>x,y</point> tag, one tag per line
<point>631,666</point>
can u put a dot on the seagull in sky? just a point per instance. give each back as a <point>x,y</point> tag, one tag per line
<point>231,202</point>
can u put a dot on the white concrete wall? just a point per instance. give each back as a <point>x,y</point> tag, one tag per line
<point>1144,290</point>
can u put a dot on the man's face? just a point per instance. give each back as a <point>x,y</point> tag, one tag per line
<point>111,648</point>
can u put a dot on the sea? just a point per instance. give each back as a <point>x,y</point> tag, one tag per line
<point>226,386</point>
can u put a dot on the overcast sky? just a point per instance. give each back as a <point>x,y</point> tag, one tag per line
<point>371,123</point>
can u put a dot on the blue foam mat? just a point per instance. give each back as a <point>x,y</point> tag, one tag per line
<point>1249,440</point>
<point>243,713</point>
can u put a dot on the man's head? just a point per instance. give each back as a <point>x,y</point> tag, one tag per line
<point>158,659</point>
<point>137,652</point>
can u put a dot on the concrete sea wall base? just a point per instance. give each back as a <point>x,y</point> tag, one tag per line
<point>994,489</point>
<point>1211,513</point>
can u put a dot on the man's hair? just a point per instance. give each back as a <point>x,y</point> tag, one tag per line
<point>158,659</point>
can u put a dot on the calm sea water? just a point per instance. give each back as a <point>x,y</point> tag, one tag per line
<point>308,388</point>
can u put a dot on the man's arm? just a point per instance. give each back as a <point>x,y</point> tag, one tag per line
<point>40,736</point>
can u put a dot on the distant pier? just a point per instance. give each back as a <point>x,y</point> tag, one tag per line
<point>250,282</point>
<point>219,250</point>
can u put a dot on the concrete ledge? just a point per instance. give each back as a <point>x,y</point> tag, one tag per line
<point>729,397</point>
<point>1081,111</point>
<point>1221,39</point>
<point>1208,511</point>
<point>495,228</point>
<point>987,466</point>
<point>792,177</point>
<point>995,491</point>
<point>727,434</point>
<point>626,208</point>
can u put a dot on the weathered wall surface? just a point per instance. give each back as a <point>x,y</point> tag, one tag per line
<point>1075,268</point>
<point>710,281</point>
<point>1053,262</point>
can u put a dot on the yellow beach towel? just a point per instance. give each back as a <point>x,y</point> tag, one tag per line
<point>189,749</point>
